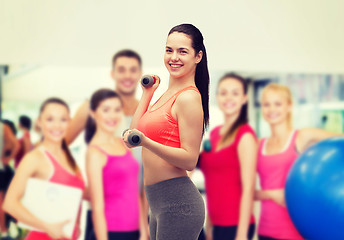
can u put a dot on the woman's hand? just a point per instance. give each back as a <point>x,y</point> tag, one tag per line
<point>151,90</point>
<point>208,235</point>
<point>55,230</point>
<point>276,195</point>
<point>144,237</point>
<point>126,135</point>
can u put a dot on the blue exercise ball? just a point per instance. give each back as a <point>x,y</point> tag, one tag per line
<point>314,191</point>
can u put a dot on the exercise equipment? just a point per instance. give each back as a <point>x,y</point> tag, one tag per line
<point>149,80</point>
<point>314,191</point>
<point>134,138</point>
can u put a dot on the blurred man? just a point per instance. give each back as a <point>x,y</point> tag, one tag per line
<point>126,72</point>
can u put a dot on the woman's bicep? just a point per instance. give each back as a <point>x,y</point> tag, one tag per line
<point>247,151</point>
<point>26,169</point>
<point>308,136</point>
<point>190,121</point>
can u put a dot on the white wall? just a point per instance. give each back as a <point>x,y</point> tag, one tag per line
<point>266,35</point>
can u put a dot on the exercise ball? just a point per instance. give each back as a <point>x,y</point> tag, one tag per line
<point>314,191</point>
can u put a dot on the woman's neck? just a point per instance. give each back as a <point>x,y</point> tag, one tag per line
<point>180,83</point>
<point>54,148</point>
<point>280,131</point>
<point>230,119</point>
<point>103,137</point>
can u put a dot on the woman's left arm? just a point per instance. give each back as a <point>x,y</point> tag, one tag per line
<point>247,151</point>
<point>309,136</point>
<point>188,108</point>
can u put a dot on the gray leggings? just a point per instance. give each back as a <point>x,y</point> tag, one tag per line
<point>177,210</point>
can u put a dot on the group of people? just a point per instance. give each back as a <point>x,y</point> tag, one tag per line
<point>171,132</point>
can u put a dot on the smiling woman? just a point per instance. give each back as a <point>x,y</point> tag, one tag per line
<point>171,132</point>
<point>112,173</point>
<point>51,161</point>
<point>231,162</point>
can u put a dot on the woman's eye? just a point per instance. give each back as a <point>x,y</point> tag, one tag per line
<point>168,50</point>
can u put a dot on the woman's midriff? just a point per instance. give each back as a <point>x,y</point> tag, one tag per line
<point>157,169</point>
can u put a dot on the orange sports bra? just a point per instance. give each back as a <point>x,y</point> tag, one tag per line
<point>159,125</point>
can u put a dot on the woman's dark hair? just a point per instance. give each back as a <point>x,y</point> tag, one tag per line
<point>96,99</point>
<point>202,73</point>
<point>65,148</point>
<point>243,116</point>
<point>25,122</point>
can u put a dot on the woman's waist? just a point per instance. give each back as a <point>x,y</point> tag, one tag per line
<point>173,194</point>
<point>271,210</point>
<point>157,169</point>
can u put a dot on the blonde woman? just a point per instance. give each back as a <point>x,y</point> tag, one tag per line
<point>276,155</point>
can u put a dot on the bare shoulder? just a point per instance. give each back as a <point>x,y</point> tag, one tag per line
<point>189,100</point>
<point>189,96</point>
<point>248,139</point>
<point>33,160</point>
<point>94,156</point>
<point>305,134</point>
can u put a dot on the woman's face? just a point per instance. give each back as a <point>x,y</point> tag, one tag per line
<point>108,114</point>
<point>231,96</point>
<point>275,107</point>
<point>180,57</point>
<point>54,121</point>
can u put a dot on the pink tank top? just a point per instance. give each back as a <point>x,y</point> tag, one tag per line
<point>121,191</point>
<point>61,176</point>
<point>273,170</point>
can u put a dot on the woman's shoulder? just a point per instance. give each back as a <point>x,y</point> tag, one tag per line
<point>189,95</point>
<point>246,128</point>
<point>33,158</point>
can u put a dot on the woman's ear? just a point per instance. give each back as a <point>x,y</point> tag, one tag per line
<point>199,57</point>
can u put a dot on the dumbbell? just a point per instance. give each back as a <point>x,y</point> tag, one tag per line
<point>149,80</point>
<point>134,138</point>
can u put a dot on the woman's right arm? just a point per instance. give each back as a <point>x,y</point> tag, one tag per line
<point>12,205</point>
<point>94,167</point>
<point>147,94</point>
